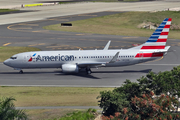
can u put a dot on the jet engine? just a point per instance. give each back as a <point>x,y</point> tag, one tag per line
<point>70,68</point>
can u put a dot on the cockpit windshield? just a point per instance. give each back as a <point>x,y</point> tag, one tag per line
<point>13,58</point>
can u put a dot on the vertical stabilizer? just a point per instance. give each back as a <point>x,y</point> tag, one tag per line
<point>158,39</point>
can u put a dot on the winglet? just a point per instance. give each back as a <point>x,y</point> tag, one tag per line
<point>107,46</point>
<point>114,58</point>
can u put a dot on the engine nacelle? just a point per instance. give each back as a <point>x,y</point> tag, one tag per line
<point>69,68</point>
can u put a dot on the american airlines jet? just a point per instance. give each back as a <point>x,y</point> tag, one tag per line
<point>73,60</point>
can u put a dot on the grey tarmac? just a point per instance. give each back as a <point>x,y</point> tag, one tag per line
<point>31,34</point>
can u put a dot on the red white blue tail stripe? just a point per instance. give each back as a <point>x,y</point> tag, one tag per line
<point>159,37</point>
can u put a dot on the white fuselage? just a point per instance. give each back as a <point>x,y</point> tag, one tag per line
<point>55,59</point>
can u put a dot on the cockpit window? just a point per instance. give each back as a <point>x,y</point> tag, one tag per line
<point>13,58</point>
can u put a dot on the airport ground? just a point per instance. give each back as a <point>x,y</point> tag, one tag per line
<point>31,34</point>
<point>25,29</point>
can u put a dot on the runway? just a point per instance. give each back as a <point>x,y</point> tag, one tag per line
<point>31,34</point>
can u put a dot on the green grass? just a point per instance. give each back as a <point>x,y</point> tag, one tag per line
<point>7,10</point>
<point>114,0</point>
<point>104,0</point>
<point>131,0</point>
<point>78,115</point>
<point>7,52</point>
<point>122,24</point>
<point>47,114</point>
<point>53,96</point>
<point>61,114</point>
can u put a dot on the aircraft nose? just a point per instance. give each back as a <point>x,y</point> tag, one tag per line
<point>7,62</point>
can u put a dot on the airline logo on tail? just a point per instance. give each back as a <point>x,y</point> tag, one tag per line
<point>159,37</point>
<point>156,41</point>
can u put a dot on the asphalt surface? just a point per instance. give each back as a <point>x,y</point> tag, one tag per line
<point>32,34</point>
<point>44,12</point>
<point>25,29</point>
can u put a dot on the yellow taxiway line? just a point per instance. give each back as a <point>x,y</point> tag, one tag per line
<point>6,44</point>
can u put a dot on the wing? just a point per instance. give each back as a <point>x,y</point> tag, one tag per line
<point>93,64</point>
<point>98,64</point>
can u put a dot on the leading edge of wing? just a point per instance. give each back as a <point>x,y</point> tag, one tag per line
<point>91,64</point>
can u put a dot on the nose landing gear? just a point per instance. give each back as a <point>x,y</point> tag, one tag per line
<point>21,72</point>
<point>88,71</point>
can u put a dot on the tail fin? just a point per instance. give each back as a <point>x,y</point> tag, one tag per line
<point>158,39</point>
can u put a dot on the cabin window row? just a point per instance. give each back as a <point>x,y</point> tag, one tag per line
<point>129,56</point>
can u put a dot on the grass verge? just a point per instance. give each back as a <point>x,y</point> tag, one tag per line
<point>122,24</point>
<point>115,0</point>
<point>105,1</point>
<point>47,114</point>
<point>6,10</point>
<point>61,114</point>
<point>7,52</point>
<point>53,96</point>
<point>79,115</point>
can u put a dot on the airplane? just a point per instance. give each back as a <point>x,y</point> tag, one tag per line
<point>72,61</point>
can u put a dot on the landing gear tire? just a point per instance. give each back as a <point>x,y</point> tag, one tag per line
<point>88,71</point>
<point>21,72</point>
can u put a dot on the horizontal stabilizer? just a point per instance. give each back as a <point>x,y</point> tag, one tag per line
<point>163,50</point>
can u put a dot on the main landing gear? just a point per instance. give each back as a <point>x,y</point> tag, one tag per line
<point>21,72</point>
<point>88,71</point>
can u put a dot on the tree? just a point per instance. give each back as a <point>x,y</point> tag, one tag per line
<point>8,111</point>
<point>167,83</point>
<point>147,107</point>
<point>112,102</point>
<point>164,83</point>
<point>116,100</point>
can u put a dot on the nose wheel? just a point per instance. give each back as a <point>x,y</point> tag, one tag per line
<point>21,72</point>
